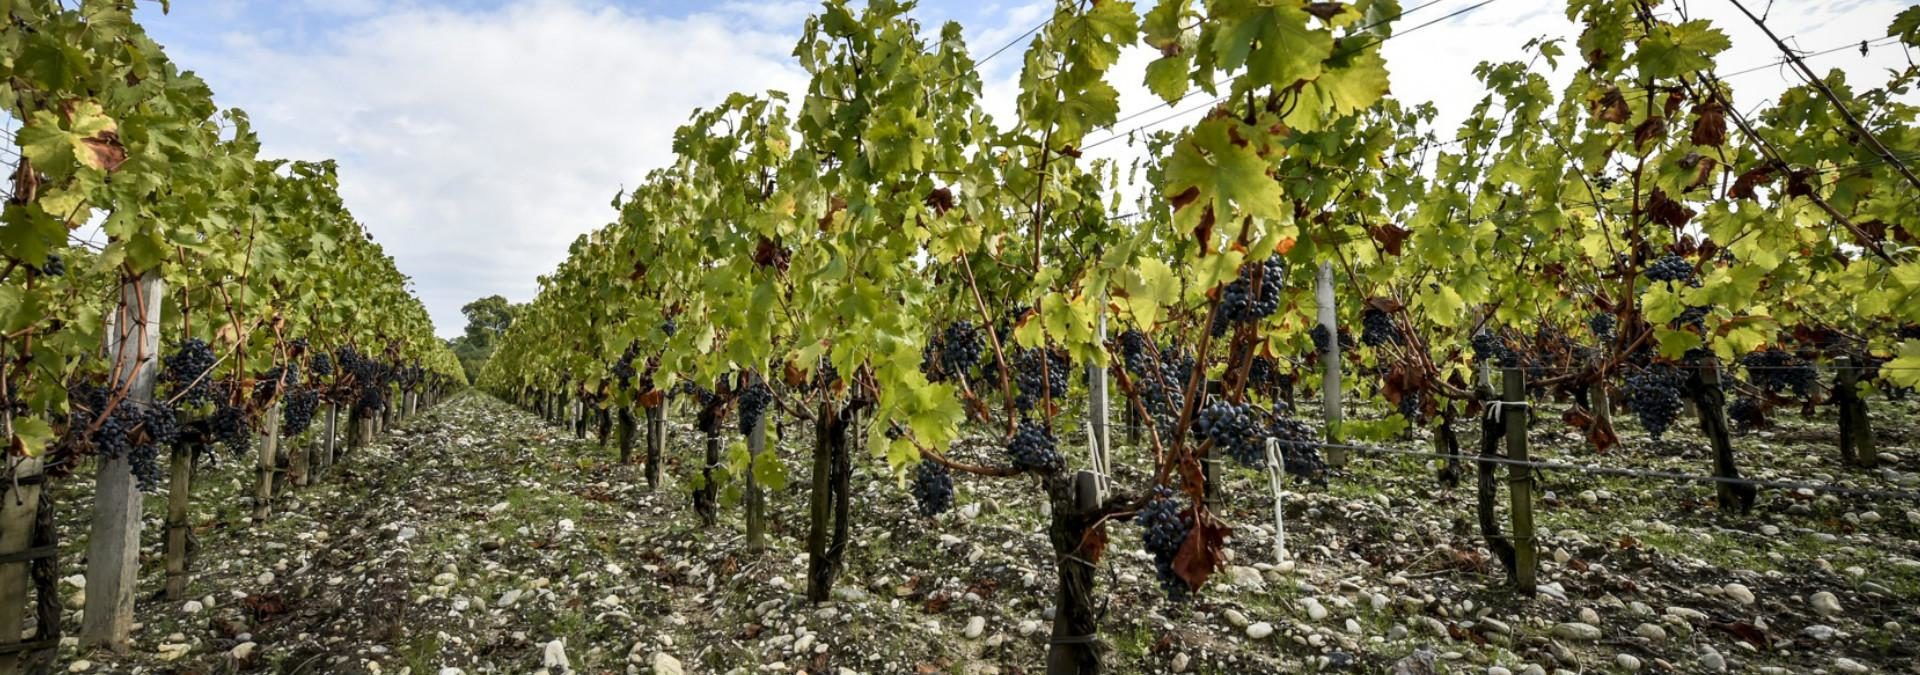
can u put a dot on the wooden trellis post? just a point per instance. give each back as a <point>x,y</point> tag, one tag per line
<point>1513,409</point>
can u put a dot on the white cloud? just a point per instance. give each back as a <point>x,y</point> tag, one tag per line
<point>477,145</point>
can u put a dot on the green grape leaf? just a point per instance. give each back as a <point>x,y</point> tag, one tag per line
<point>1167,77</point>
<point>1673,50</point>
<point>1443,306</point>
<point>1906,24</point>
<point>1661,305</point>
<point>1147,287</point>
<point>33,434</point>
<point>1675,343</point>
<point>1904,369</point>
<point>1274,42</point>
<point>770,471</point>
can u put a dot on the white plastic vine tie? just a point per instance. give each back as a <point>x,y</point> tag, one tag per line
<point>1493,410</point>
<point>1276,475</point>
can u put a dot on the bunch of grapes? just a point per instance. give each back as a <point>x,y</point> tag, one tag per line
<point>1490,347</point>
<point>1159,382</point>
<point>1409,406</point>
<point>1747,413</point>
<point>1265,372</point>
<point>1653,395</point>
<point>54,266</point>
<point>1039,373</point>
<point>1603,326</point>
<point>826,374</point>
<point>132,430</point>
<point>1299,448</point>
<point>668,327</point>
<point>623,368</point>
<point>932,488</point>
<point>753,405</point>
<point>1376,328</point>
<point>1242,302</point>
<point>275,381</point>
<point>321,365</point>
<point>1133,345</point>
<point>1323,341</point>
<point>373,399</point>
<point>1232,428</point>
<point>185,372</point>
<point>1694,317</point>
<point>1164,528</point>
<point>298,414</point>
<point>688,388</point>
<point>959,347</point>
<point>298,346</point>
<point>1031,448</point>
<point>1776,371</point>
<point>230,428</point>
<point>1671,268</point>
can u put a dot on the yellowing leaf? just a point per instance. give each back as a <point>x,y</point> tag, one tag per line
<point>1208,169</point>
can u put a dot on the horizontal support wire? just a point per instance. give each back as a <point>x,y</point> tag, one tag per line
<point>1624,472</point>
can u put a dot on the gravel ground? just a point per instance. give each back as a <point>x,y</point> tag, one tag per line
<point>479,539</point>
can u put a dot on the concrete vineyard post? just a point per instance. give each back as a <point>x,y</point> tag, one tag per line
<point>113,544</point>
<point>1330,402</point>
<point>1101,447</point>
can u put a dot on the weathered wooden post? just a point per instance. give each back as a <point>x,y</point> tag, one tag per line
<point>1710,404</point>
<point>179,523</point>
<point>19,513</point>
<point>1513,410</point>
<point>623,434</point>
<point>113,545</point>
<point>755,501</point>
<point>656,442</point>
<point>269,464</point>
<point>1857,447</point>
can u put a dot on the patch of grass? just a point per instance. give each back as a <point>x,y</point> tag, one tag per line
<point>421,652</point>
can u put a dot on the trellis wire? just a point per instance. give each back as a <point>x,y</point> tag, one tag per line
<point>1625,472</point>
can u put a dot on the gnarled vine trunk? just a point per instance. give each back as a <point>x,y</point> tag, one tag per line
<point>706,500</point>
<point>1075,647</point>
<point>1491,432</point>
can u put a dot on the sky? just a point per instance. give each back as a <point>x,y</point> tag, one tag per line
<point>478,138</point>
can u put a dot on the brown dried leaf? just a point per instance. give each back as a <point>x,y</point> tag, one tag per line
<point>1709,125</point>
<point>1187,196</point>
<point>1325,10</point>
<point>1612,107</point>
<point>1200,556</point>
<point>1392,238</point>
<point>1744,185</point>
<point>940,200</point>
<point>1665,211</point>
<point>108,153</point>
<point>1649,132</point>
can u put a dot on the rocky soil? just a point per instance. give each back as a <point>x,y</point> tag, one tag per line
<point>479,539</point>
